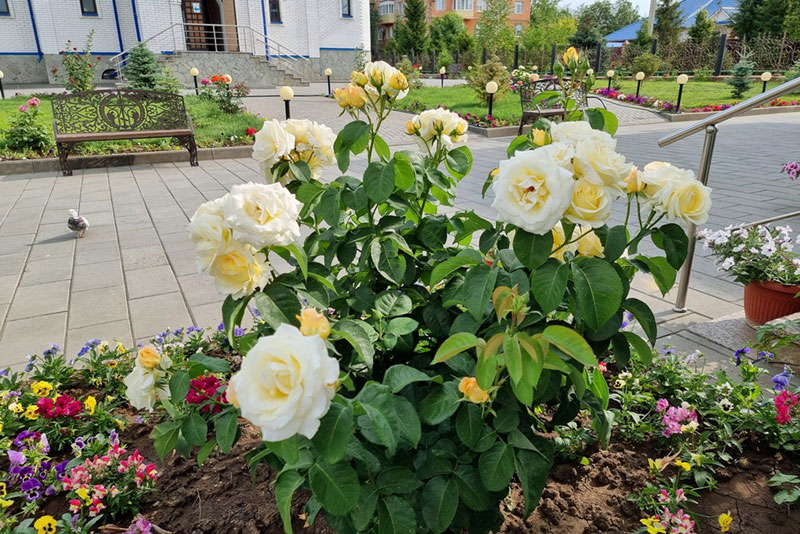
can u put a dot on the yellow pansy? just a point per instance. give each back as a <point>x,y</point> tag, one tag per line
<point>41,388</point>
<point>45,525</point>
<point>83,493</point>
<point>656,465</point>
<point>102,348</point>
<point>31,412</point>
<point>685,465</point>
<point>120,348</point>
<point>16,407</point>
<point>725,521</point>
<point>313,323</point>
<point>4,503</point>
<point>3,491</point>
<point>654,525</point>
<point>90,404</point>
<point>470,388</point>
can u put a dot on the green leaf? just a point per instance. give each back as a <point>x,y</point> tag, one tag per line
<point>214,365</point>
<point>496,466</point>
<point>621,349</point>
<point>480,280</point>
<point>387,260</point>
<point>399,376</point>
<point>521,142</point>
<point>598,290</point>
<point>205,451</point>
<point>396,516</point>
<point>334,432</point>
<point>278,305</point>
<point>379,424</point>
<point>440,404</point>
<point>295,252</point>
<point>600,387</point>
<point>397,480</point>
<point>615,243</point>
<point>459,161</point>
<point>602,119</point>
<point>533,468</point>
<point>531,249</point>
<point>330,206</point>
<point>179,386</point>
<point>455,344</point>
<point>513,358</point>
<point>401,326</point>
<point>439,503</point>
<point>663,273</point>
<point>642,313</point>
<point>382,148</point>
<point>379,181</point>
<point>672,239</point>
<point>194,429</point>
<point>166,436</point>
<point>226,428</point>
<point>364,512</point>
<point>392,303</point>
<point>571,343</point>
<point>486,371</point>
<point>335,486</point>
<point>471,490</point>
<point>357,333</point>
<point>285,485</point>
<point>287,449</point>
<point>232,314</point>
<point>641,347</point>
<point>404,176</point>
<point>548,284</point>
<point>469,424</point>
<point>408,420</point>
<point>445,268</point>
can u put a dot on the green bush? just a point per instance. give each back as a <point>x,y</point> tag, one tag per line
<point>79,67</point>
<point>647,63</point>
<point>26,132</point>
<point>794,72</point>
<point>493,69</point>
<point>141,68</point>
<point>412,75</point>
<point>444,60</point>
<point>702,75</point>
<point>169,83</point>
<point>741,81</point>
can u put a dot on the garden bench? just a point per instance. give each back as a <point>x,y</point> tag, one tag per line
<point>119,114</point>
<point>532,111</point>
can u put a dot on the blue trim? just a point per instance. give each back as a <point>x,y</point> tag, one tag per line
<point>35,31</point>
<point>276,22</point>
<point>289,55</point>
<point>347,16</point>
<point>5,14</point>
<point>167,53</point>
<point>336,48</point>
<point>264,19</point>
<point>136,21</point>
<point>119,31</point>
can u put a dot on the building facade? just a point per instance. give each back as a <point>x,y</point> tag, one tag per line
<point>305,36</point>
<point>390,13</point>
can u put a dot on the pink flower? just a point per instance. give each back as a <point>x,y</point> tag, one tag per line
<point>662,405</point>
<point>205,81</point>
<point>33,102</point>
<point>23,108</point>
<point>784,402</point>
<point>602,367</point>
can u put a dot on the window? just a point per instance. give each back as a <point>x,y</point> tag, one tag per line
<point>386,8</point>
<point>439,5</point>
<point>481,5</point>
<point>518,8</point>
<point>381,33</point>
<point>391,32</point>
<point>399,8</point>
<point>4,10</point>
<point>88,7</point>
<point>462,5</point>
<point>346,8</point>
<point>274,11</point>
<point>518,29</point>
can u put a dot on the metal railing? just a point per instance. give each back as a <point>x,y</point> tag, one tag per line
<point>709,125</point>
<point>183,36</point>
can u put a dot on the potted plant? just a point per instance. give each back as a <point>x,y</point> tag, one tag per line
<point>761,258</point>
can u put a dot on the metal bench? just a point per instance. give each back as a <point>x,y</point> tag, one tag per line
<point>532,110</point>
<point>119,114</point>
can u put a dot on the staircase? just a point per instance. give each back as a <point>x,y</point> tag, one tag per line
<point>254,71</point>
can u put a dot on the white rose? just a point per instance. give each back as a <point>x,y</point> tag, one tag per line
<point>560,153</point>
<point>686,200</point>
<point>238,269</point>
<point>272,143</point>
<point>590,204</point>
<point>608,164</point>
<point>379,74</point>
<point>262,215</point>
<point>532,191</point>
<point>143,389</point>
<point>313,144</point>
<point>574,131</point>
<point>209,232</point>
<point>286,384</point>
<point>657,174</point>
<point>432,124</point>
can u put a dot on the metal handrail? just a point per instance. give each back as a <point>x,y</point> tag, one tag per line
<point>709,124</point>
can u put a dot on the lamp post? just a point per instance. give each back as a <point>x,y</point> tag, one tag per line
<point>287,94</point>
<point>682,80</point>
<point>765,77</point>
<point>639,78</point>
<point>2,92</point>
<point>610,75</point>
<point>442,72</point>
<point>195,73</point>
<point>328,73</point>
<point>491,89</point>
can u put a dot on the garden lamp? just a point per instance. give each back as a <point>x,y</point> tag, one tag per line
<point>195,73</point>
<point>491,89</point>
<point>328,73</point>
<point>2,92</point>
<point>682,80</point>
<point>442,72</point>
<point>639,78</point>
<point>287,94</point>
<point>590,72</point>
<point>765,77</point>
<point>610,75</point>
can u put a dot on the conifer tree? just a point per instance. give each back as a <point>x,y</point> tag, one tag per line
<point>703,28</point>
<point>412,32</point>
<point>141,69</point>
<point>668,22</point>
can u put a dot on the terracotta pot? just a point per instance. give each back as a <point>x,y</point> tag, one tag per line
<point>765,301</point>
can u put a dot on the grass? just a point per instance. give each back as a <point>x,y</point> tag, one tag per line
<point>212,128</point>
<point>462,98</point>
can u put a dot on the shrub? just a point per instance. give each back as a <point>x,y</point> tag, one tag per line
<point>702,75</point>
<point>26,132</point>
<point>444,60</point>
<point>493,69</point>
<point>741,81</point>
<point>411,72</point>
<point>794,72</point>
<point>647,63</point>
<point>79,66</point>
<point>142,69</point>
<point>219,90</point>
<point>169,83</point>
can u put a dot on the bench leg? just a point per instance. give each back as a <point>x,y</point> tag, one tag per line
<point>63,153</point>
<point>191,146</point>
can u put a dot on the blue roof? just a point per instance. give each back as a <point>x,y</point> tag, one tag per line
<point>688,10</point>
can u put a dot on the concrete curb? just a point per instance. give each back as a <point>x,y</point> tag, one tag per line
<point>27,166</point>
<point>684,117</point>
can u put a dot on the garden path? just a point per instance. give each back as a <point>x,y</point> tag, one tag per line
<point>133,274</point>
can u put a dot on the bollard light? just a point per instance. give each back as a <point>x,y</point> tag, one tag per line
<point>610,75</point>
<point>195,73</point>
<point>328,73</point>
<point>639,78</point>
<point>287,94</point>
<point>2,92</point>
<point>442,72</point>
<point>765,77</point>
<point>590,72</point>
<point>535,68</point>
<point>491,89</point>
<point>682,80</point>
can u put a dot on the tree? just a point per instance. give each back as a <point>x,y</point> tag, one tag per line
<point>703,28</point>
<point>587,35</point>
<point>412,34</point>
<point>141,68</point>
<point>609,17</point>
<point>668,22</point>
<point>544,10</point>
<point>791,24</point>
<point>373,27</point>
<point>448,32</point>
<point>745,19</point>
<point>494,33</point>
<point>756,17</point>
<point>773,16</point>
<point>545,33</point>
<point>643,37</point>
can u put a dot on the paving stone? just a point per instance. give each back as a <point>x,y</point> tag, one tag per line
<point>199,289</point>
<point>15,244</point>
<point>86,252</point>
<point>150,315</point>
<point>150,281</point>
<point>8,284</point>
<point>143,257</point>
<point>12,263</point>
<point>41,299</point>
<point>97,306</point>
<point>44,271</point>
<point>96,275</point>
<point>30,336</point>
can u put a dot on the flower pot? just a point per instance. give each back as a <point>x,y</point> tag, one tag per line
<point>765,301</point>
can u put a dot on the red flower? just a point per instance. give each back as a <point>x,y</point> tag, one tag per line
<point>63,406</point>
<point>99,58</point>
<point>251,131</point>
<point>74,48</point>
<point>204,388</point>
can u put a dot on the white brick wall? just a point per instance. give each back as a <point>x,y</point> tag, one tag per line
<point>16,34</point>
<point>59,21</point>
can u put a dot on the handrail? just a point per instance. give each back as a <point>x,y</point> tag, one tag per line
<point>731,112</point>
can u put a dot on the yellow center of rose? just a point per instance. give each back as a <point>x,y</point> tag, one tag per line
<point>531,190</point>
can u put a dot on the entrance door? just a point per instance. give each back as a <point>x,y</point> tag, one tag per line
<point>201,32</point>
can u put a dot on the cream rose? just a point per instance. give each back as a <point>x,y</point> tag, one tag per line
<point>272,143</point>
<point>608,164</point>
<point>286,384</point>
<point>262,215</point>
<point>575,131</point>
<point>143,386</point>
<point>686,200</point>
<point>532,191</point>
<point>589,244</point>
<point>657,174</point>
<point>313,144</point>
<point>590,204</point>
<point>559,248</point>
<point>438,123</point>
<point>239,269</point>
<point>561,154</point>
<point>208,232</point>
<point>380,75</point>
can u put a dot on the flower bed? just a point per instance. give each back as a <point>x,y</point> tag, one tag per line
<point>670,106</point>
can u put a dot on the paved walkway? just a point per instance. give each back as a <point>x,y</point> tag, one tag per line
<point>133,274</point>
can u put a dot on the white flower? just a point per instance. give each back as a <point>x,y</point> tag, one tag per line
<point>286,384</point>
<point>145,386</point>
<point>272,143</point>
<point>238,269</point>
<point>677,193</point>
<point>601,157</point>
<point>725,405</point>
<point>208,232</point>
<point>433,124</point>
<point>725,388</point>
<point>768,248</point>
<point>313,144</point>
<point>562,154</point>
<point>379,74</point>
<point>262,215</point>
<point>591,205</point>
<point>532,191</point>
<point>727,264</point>
<point>575,131</point>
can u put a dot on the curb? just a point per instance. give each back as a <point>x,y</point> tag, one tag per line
<point>501,131</point>
<point>772,110</point>
<point>27,166</point>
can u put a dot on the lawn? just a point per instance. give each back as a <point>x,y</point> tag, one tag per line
<point>695,94</point>
<point>211,126</point>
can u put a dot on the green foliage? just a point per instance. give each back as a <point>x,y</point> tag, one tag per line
<point>702,75</point>
<point>702,30</point>
<point>411,35</point>
<point>791,23</point>
<point>794,72</point>
<point>480,75</point>
<point>757,17</point>
<point>587,36</point>
<point>142,69</point>
<point>227,98</point>
<point>169,82</point>
<point>740,81</point>
<point>26,132</point>
<point>545,32</point>
<point>449,32</point>
<point>412,75</point>
<point>647,63</point>
<point>668,22</point>
<point>79,67</point>
<point>444,59</point>
<point>609,17</point>
<point>643,37</point>
<point>494,33</point>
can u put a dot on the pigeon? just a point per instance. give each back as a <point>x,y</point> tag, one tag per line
<point>77,223</point>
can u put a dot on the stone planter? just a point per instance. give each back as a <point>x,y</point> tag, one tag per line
<point>765,301</point>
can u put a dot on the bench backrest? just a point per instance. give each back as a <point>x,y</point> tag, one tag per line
<point>119,110</point>
<point>528,91</point>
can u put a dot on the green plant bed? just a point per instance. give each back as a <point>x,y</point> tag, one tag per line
<point>695,94</point>
<point>461,99</point>
<point>212,128</point>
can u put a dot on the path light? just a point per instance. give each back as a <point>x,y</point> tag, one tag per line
<point>610,75</point>
<point>287,94</point>
<point>195,73</point>
<point>328,73</point>
<point>2,92</point>
<point>639,78</point>
<point>590,72</point>
<point>442,72</point>
<point>682,80</point>
<point>765,77</point>
<point>491,88</point>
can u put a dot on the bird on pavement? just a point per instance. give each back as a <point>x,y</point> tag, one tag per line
<point>76,223</point>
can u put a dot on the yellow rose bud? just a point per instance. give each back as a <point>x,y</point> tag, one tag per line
<point>358,78</point>
<point>356,96</point>
<point>461,128</point>
<point>149,358</point>
<point>571,55</point>
<point>398,81</point>
<point>472,391</point>
<point>410,128</point>
<point>539,137</point>
<point>494,172</point>
<point>340,94</point>
<point>313,323</point>
<point>633,182</point>
<point>377,78</point>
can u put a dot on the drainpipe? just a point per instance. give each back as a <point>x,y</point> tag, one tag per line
<point>35,31</point>
<point>119,31</point>
<point>264,19</point>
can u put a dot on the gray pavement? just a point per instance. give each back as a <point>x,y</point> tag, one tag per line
<point>133,274</point>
